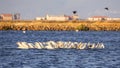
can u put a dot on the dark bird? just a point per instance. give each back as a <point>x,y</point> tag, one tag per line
<point>74,12</point>
<point>106,8</point>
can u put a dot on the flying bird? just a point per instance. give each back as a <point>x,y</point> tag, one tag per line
<point>74,12</point>
<point>106,8</point>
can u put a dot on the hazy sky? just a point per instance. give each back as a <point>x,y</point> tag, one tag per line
<point>29,9</point>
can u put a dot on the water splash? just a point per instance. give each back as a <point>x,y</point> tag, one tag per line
<point>60,44</point>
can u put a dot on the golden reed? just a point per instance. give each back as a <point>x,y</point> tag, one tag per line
<point>61,25</point>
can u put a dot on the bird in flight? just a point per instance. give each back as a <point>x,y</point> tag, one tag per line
<point>106,8</point>
<point>74,12</point>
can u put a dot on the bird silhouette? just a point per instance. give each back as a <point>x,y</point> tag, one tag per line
<point>106,8</point>
<point>74,12</point>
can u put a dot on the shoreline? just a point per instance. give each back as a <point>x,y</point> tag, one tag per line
<point>61,25</point>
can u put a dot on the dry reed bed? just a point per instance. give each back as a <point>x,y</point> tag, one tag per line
<point>64,25</point>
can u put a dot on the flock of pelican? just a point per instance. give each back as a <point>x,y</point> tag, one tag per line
<point>60,44</point>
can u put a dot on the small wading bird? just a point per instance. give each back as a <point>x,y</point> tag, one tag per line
<point>24,31</point>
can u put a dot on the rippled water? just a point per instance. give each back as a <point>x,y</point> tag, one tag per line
<point>12,57</point>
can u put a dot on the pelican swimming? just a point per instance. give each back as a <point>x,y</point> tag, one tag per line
<point>60,44</point>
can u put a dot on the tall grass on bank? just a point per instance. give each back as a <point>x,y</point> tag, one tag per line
<point>83,28</point>
<point>61,25</point>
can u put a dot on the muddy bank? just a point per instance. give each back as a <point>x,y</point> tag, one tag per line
<point>61,26</point>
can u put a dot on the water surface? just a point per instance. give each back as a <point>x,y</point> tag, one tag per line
<point>12,57</point>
